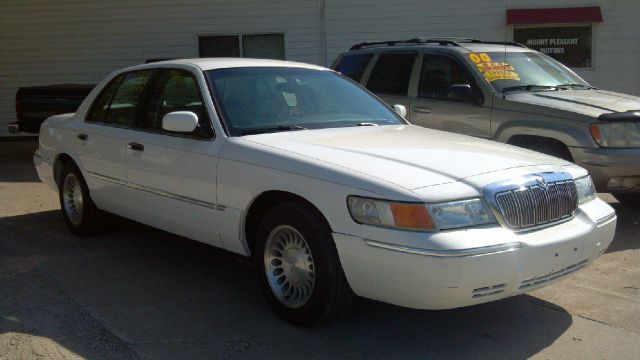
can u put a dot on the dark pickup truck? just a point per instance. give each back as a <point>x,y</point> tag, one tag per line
<point>34,104</point>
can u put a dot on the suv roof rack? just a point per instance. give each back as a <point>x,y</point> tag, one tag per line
<point>444,41</point>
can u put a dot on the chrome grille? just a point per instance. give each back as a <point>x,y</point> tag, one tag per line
<point>534,200</point>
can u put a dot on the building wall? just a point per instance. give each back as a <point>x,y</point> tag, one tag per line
<point>80,41</point>
<point>47,42</point>
<point>617,39</point>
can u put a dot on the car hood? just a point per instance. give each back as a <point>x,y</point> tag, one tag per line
<point>406,155</point>
<point>589,102</point>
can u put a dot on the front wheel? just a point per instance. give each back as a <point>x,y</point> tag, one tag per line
<point>80,213</point>
<point>300,273</point>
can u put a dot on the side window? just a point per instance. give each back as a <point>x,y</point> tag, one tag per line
<point>124,103</point>
<point>438,73</point>
<point>173,90</point>
<point>100,106</point>
<point>353,65</point>
<point>392,73</point>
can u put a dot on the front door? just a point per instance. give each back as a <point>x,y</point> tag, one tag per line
<point>173,175</point>
<point>435,108</point>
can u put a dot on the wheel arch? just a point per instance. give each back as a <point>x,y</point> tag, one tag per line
<point>59,163</point>
<point>264,202</point>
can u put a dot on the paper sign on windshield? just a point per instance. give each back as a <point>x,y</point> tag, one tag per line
<point>491,70</point>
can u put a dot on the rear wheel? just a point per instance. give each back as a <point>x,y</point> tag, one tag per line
<point>300,273</point>
<point>632,199</point>
<point>79,212</point>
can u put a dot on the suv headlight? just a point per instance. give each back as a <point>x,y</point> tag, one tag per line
<point>419,217</point>
<point>617,134</point>
<point>585,188</point>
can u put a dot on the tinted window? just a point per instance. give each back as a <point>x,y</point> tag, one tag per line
<point>392,73</point>
<point>125,101</point>
<point>173,90</point>
<point>353,65</point>
<point>100,106</point>
<point>263,46</point>
<point>219,46</point>
<point>438,73</point>
<point>266,99</point>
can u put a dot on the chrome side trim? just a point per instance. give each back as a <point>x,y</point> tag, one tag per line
<point>156,191</point>
<point>606,219</point>
<point>493,249</point>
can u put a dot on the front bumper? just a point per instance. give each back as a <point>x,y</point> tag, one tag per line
<point>612,170</point>
<point>425,278</point>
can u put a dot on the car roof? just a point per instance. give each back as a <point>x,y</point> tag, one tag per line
<point>439,44</point>
<point>225,63</point>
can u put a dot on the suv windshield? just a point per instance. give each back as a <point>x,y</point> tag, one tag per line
<point>524,71</point>
<point>270,99</point>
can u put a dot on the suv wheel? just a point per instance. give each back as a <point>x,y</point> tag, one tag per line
<point>299,269</point>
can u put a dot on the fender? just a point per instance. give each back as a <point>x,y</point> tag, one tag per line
<point>566,134</point>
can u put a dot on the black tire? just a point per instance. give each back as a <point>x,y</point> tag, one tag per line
<point>330,294</point>
<point>90,217</point>
<point>628,199</point>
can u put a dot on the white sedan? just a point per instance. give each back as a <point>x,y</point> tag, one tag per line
<point>330,191</point>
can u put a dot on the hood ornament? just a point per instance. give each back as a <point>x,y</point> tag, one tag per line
<point>541,181</point>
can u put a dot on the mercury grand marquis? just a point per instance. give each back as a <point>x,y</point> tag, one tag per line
<point>330,191</point>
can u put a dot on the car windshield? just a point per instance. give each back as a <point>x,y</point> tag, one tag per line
<point>524,71</point>
<point>270,99</point>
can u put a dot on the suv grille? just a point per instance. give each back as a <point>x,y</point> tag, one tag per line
<point>536,202</point>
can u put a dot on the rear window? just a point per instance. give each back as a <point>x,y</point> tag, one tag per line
<point>392,73</point>
<point>353,65</point>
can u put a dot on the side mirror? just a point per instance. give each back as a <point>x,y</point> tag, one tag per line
<point>180,121</point>
<point>459,92</point>
<point>400,110</point>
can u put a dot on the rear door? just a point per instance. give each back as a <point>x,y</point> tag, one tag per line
<point>173,175</point>
<point>434,108</point>
<point>103,138</point>
<point>391,77</point>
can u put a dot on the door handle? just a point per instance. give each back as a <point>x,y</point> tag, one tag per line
<point>422,109</point>
<point>135,146</point>
<point>83,137</point>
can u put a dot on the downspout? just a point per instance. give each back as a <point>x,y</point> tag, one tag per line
<point>323,32</point>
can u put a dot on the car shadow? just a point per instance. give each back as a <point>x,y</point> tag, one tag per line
<point>627,228</point>
<point>137,289</point>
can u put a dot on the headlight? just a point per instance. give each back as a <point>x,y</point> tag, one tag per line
<point>456,214</point>
<point>586,190</point>
<point>617,134</point>
<point>390,214</point>
<point>419,217</point>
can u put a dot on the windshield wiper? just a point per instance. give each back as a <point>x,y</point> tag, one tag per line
<point>272,129</point>
<point>565,86</point>
<point>366,124</point>
<point>527,87</point>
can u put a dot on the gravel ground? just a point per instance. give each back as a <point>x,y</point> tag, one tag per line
<point>135,292</point>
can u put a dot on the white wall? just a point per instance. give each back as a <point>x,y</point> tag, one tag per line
<point>80,41</point>
<point>617,39</point>
<point>47,42</point>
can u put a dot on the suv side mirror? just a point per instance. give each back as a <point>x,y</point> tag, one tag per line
<point>459,92</point>
<point>400,110</point>
<point>180,121</point>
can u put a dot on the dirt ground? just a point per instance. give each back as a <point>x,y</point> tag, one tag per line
<point>135,292</point>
